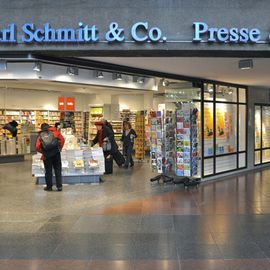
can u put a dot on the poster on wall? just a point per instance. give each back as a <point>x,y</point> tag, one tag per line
<point>61,103</point>
<point>220,123</point>
<point>208,122</point>
<point>70,103</point>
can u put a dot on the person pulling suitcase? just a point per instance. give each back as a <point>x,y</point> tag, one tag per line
<point>105,139</point>
<point>117,155</point>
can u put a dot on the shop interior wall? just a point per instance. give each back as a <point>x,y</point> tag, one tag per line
<point>38,99</point>
<point>48,100</point>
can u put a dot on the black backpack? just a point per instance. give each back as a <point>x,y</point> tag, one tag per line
<point>48,141</point>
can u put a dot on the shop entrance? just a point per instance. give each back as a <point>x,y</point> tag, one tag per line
<point>190,127</point>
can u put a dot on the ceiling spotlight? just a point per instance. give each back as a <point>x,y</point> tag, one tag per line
<point>245,64</point>
<point>99,74</point>
<point>165,83</point>
<point>37,66</point>
<point>140,80</point>
<point>3,64</point>
<point>117,77</point>
<point>72,71</point>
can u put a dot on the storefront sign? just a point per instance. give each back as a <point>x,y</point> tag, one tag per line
<point>202,32</point>
<point>61,103</point>
<point>70,103</point>
<point>83,33</point>
<point>139,32</point>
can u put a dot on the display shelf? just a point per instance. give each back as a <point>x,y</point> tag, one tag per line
<point>11,115</point>
<point>86,125</point>
<point>41,117</point>
<point>117,126</point>
<point>2,117</point>
<point>78,165</point>
<point>186,140</point>
<point>78,118</point>
<point>54,117</point>
<point>140,131</point>
<point>128,115</point>
<point>96,114</point>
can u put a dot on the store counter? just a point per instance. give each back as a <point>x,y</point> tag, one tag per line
<point>78,166</point>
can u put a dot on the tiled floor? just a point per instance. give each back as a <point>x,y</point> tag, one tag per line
<point>129,223</point>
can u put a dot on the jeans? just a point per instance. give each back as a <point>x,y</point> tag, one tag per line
<point>50,163</point>
<point>127,151</point>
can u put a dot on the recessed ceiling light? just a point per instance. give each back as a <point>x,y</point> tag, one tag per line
<point>72,71</point>
<point>37,66</point>
<point>98,74</point>
<point>117,76</point>
<point>141,80</point>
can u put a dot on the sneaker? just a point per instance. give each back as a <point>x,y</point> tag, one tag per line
<point>47,189</point>
<point>126,166</point>
<point>132,164</point>
<point>59,189</point>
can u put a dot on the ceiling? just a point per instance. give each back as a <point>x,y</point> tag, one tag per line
<point>220,69</point>
<point>63,87</point>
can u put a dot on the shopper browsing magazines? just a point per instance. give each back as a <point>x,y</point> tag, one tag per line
<point>128,137</point>
<point>50,143</point>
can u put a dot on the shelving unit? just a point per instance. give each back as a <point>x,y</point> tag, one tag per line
<point>2,117</point>
<point>129,116</point>
<point>118,130</point>
<point>54,117</point>
<point>28,121</point>
<point>186,140</point>
<point>86,125</point>
<point>78,118</point>
<point>140,131</point>
<point>41,117</point>
<point>96,114</point>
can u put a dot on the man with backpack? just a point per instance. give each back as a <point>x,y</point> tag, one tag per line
<point>50,143</point>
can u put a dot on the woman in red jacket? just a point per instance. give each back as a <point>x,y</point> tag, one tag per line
<point>50,143</point>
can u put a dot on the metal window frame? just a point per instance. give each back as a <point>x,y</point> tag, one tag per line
<point>261,148</point>
<point>237,153</point>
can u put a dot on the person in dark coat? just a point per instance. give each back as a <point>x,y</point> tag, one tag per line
<point>105,139</point>
<point>128,137</point>
<point>108,124</point>
<point>12,128</point>
<point>105,135</point>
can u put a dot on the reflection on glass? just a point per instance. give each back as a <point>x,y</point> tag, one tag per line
<point>226,93</point>
<point>208,166</point>
<point>257,157</point>
<point>242,95</point>
<point>257,127</point>
<point>265,126</point>
<point>242,160</point>
<point>208,91</point>
<point>208,130</point>
<point>242,128</point>
<point>226,163</point>
<point>266,156</point>
<point>199,137</point>
<point>226,128</point>
<point>179,90</point>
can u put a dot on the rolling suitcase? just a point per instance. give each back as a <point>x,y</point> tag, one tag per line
<point>118,158</point>
<point>109,164</point>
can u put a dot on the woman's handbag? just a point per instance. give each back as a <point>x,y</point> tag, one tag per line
<point>106,146</point>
